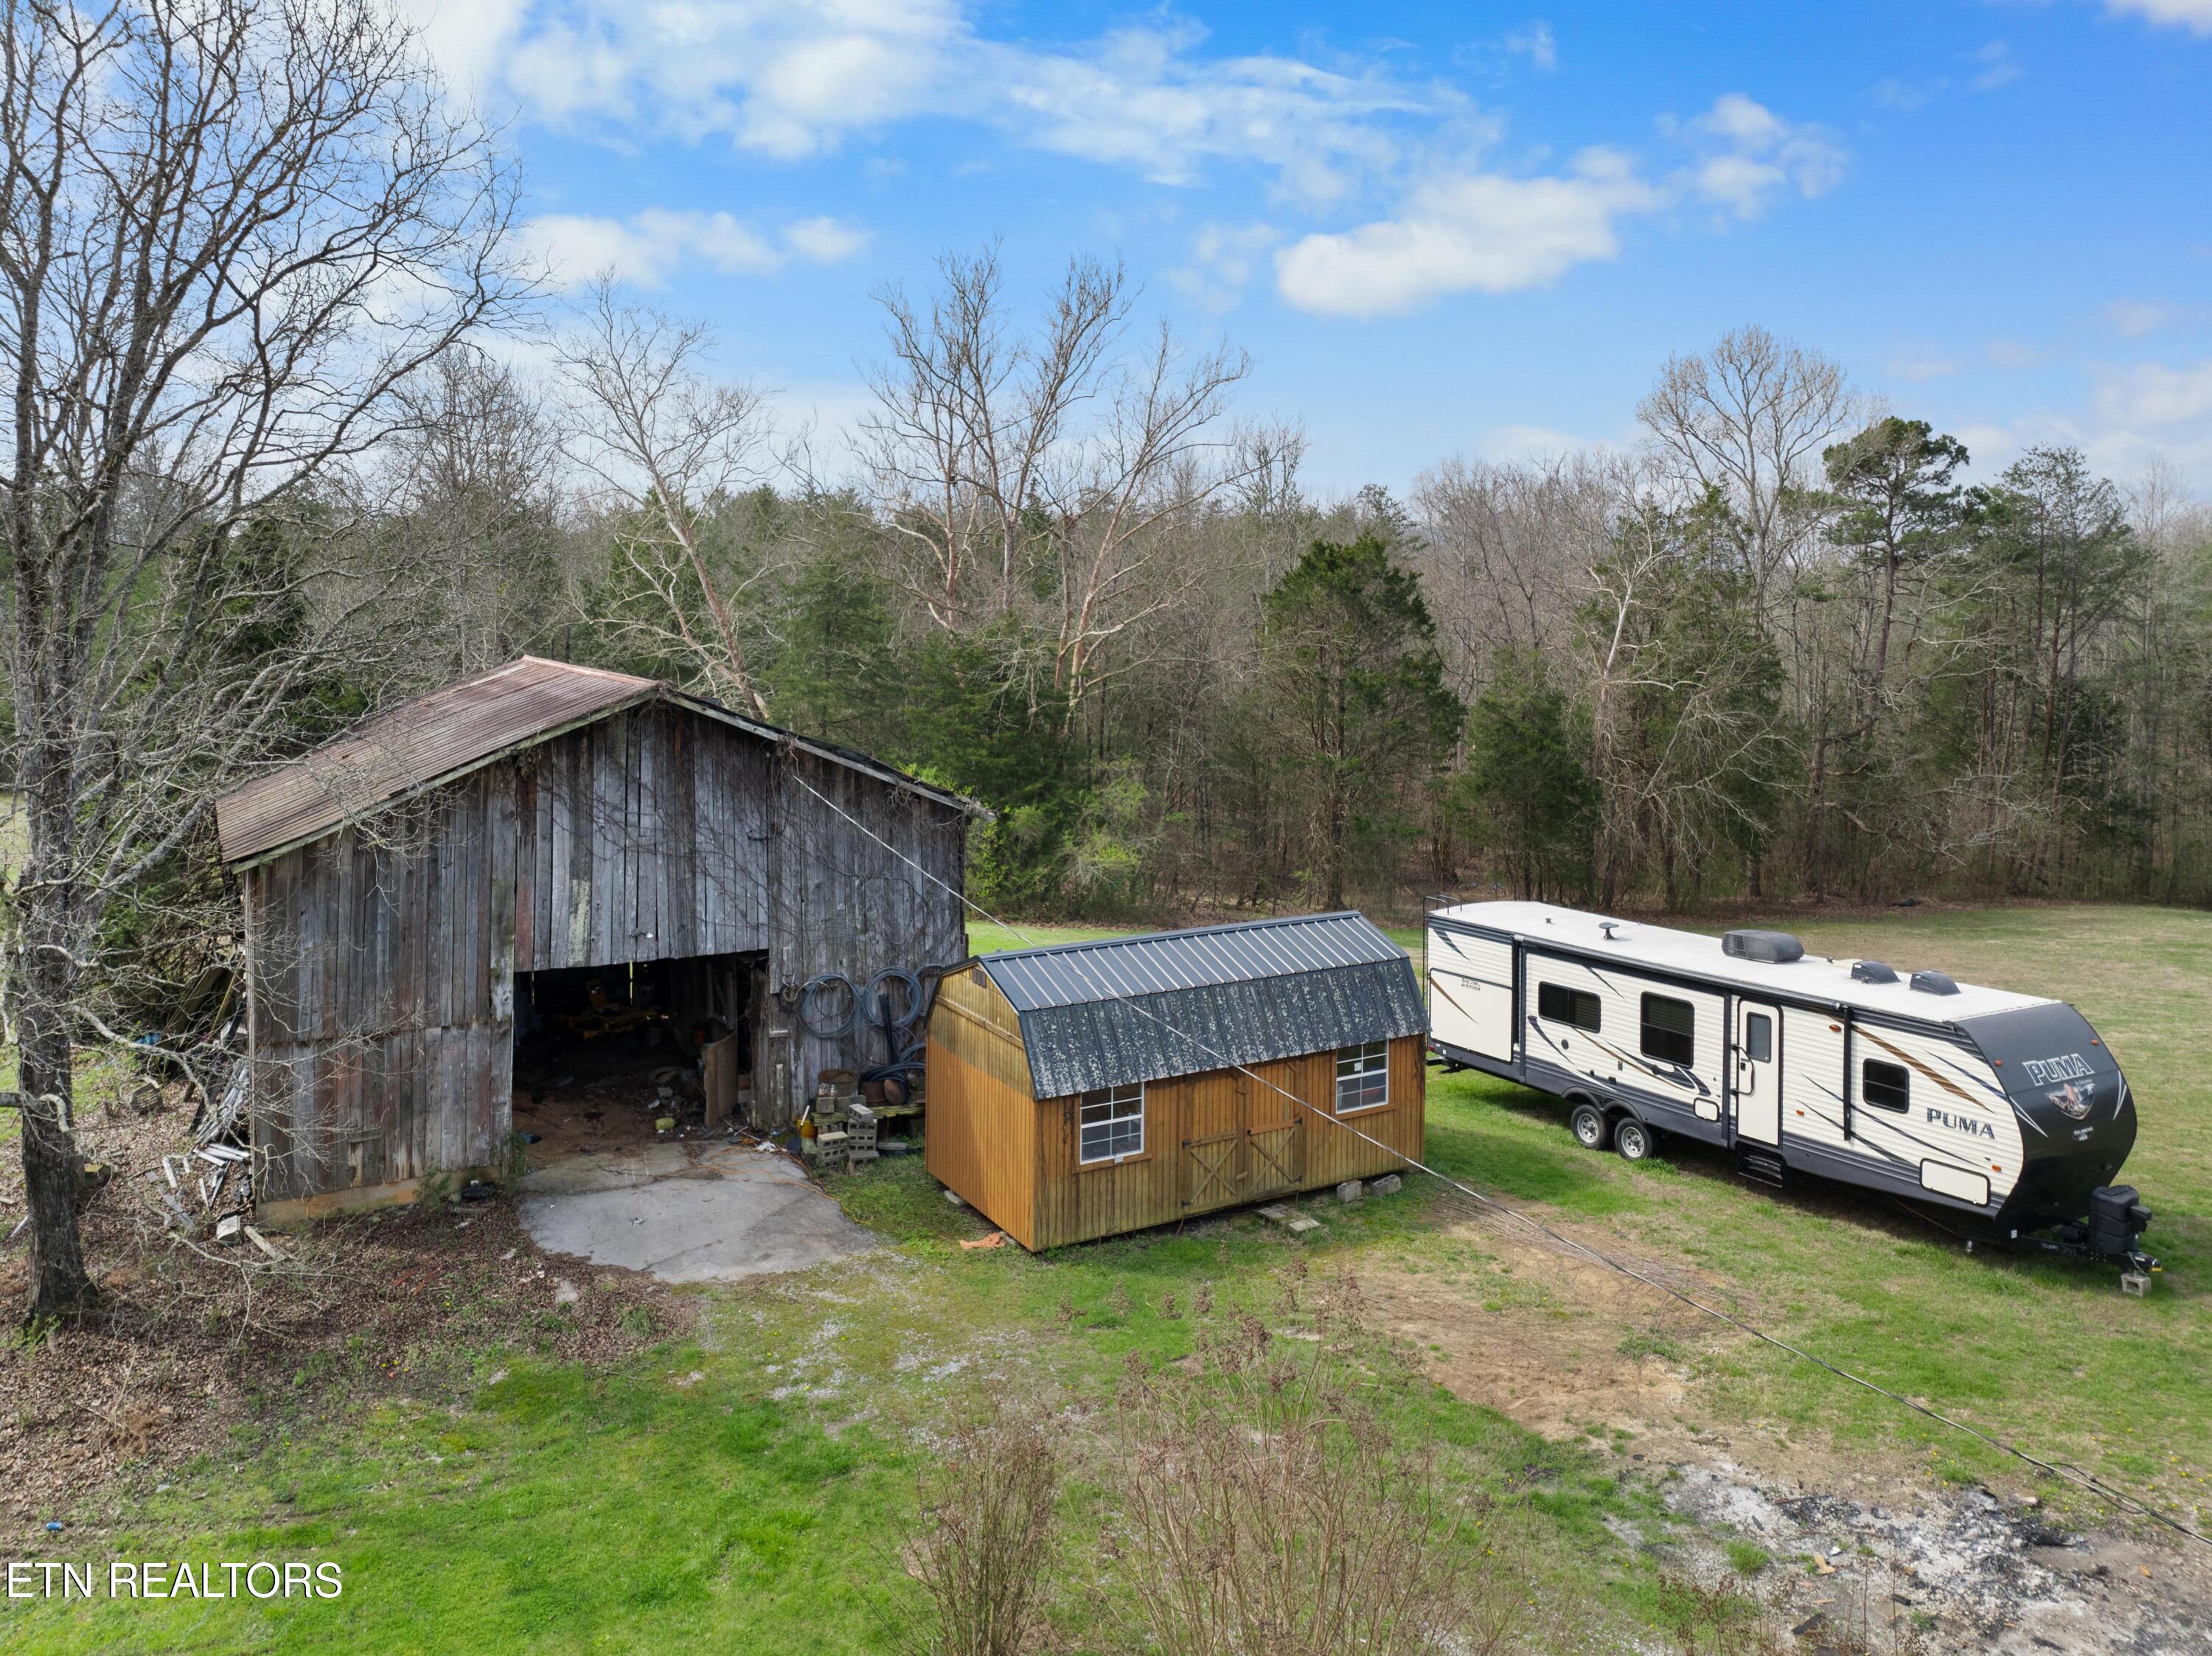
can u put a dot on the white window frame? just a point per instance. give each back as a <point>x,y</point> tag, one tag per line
<point>1360,1054</point>
<point>1109,1097</point>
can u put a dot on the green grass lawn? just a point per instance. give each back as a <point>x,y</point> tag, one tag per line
<point>2044,1350</point>
<point>748,1489</point>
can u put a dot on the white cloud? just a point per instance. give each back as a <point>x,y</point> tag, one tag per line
<point>1536,45</point>
<point>1478,231</point>
<point>2135,318</point>
<point>1906,96</point>
<point>1222,258</point>
<point>2154,395</point>
<point>1139,98</point>
<point>794,80</point>
<point>1492,231</point>
<point>463,40</point>
<point>1997,68</point>
<point>2195,15</point>
<point>1921,369</point>
<point>825,240</point>
<point>1528,445</point>
<point>785,80</point>
<point>649,246</point>
<point>1753,155</point>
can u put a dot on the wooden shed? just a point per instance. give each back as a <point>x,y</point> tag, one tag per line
<point>411,889</point>
<point>1089,1089</point>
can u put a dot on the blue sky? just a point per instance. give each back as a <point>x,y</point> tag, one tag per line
<point>1439,229</point>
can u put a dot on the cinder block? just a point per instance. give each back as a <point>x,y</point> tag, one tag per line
<point>1352,1190</point>
<point>1387,1185</point>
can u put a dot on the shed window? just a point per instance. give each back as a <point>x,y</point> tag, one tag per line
<point>1563,1005</point>
<point>1886,1086</point>
<point>1363,1076</point>
<point>1113,1124</point>
<point>1670,1030</point>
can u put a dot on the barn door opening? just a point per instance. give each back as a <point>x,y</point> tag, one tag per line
<point>604,1054</point>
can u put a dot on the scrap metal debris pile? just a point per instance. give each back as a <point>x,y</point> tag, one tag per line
<point>207,1189</point>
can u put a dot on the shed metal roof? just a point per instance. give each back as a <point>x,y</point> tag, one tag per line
<point>451,731</point>
<point>1166,1004</point>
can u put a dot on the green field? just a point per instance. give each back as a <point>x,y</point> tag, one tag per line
<point>748,1489</point>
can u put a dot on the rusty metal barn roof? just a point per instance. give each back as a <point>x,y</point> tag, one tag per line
<point>1179,1003</point>
<point>438,737</point>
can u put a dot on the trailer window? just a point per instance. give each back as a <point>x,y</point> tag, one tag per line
<point>1113,1124</point>
<point>1561,1005</point>
<point>1885,1086</point>
<point>1670,1030</point>
<point>1363,1076</point>
<point>1757,1037</point>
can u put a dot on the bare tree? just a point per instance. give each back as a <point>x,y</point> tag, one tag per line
<point>986,466</point>
<point>1506,549</point>
<point>665,442</point>
<point>967,419</point>
<point>1154,463</point>
<point>1748,418</point>
<point>230,231</point>
<point>478,506</point>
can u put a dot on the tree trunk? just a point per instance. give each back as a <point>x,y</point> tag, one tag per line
<point>45,967</point>
<point>60,1285</point>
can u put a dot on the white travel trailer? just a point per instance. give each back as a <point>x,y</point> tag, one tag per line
<point>2003,1105</point>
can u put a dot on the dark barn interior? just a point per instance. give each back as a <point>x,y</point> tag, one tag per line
<point>604,1054</point>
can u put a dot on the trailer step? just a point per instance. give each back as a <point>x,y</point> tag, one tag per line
<point>1761,1166</point>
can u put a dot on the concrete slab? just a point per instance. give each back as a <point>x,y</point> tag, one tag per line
<point>734,1212</point>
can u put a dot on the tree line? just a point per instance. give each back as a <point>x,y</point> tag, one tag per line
<point>270,466</point>
<point>1783,650</point>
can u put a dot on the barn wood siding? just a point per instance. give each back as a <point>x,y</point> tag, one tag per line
<point>384,954</point>
<point>982,1140</point>
<point>383,995</point>
<point>1192,1122</point>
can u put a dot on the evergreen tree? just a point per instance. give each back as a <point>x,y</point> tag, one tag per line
<point>1351,712</point>
<point>1529,779</point>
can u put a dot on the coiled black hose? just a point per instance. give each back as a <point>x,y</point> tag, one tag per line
<point>816,1021</point>
<point>892,1021</point>
<point>875,1004</point>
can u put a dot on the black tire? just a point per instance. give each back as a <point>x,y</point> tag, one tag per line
<point>1590,1128</point>
<point>1633,1139</point>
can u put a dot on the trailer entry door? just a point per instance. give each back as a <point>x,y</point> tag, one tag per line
<point>1758,1073</point>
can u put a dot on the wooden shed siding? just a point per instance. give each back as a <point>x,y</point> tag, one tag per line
<point>1192,1120</point>
<point>384,955</point>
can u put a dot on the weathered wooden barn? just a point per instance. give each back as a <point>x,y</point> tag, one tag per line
<point>1088,1088</point>
<point>405,885</point>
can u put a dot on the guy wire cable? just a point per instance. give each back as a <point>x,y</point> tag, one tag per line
<point>2063,1471</point>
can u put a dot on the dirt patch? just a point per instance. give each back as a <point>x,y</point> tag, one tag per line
<point>1575,1351</point>
<point>184,1349</point>
<point>1572,1349</point>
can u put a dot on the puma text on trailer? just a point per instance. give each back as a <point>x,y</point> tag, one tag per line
<point>2004,1105</point>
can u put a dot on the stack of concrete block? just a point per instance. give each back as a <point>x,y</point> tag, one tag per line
<point>860,1133</point>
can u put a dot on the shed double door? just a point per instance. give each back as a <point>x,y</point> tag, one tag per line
<point>1247,1142</point>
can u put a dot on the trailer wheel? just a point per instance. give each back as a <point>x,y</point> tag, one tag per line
<point>1590,1128</point>
<point>1631,1138</point>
